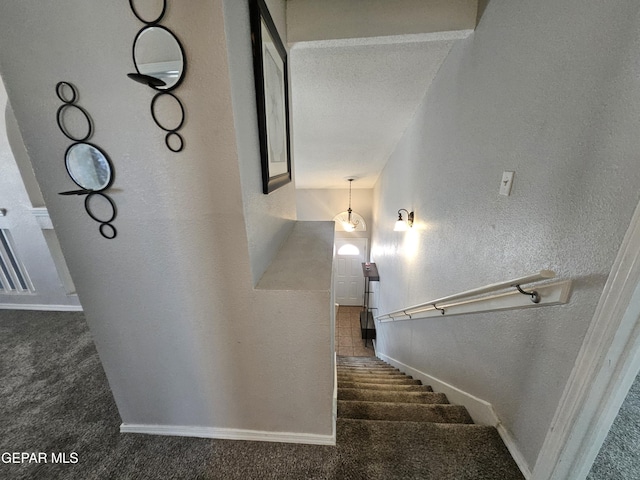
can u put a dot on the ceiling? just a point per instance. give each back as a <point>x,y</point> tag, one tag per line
<point>351,104</point>
<point>359,70</point>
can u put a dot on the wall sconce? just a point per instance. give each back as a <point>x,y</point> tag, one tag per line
<point>402,225</point>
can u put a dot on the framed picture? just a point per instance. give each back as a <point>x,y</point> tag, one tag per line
<point>272,95</point>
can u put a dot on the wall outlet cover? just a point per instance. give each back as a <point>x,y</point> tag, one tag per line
<point>506,183</point>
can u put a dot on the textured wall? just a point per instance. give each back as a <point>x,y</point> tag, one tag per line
<point>549,90</point>
<point>182,334</point>
<point>269,218</point>
<point>30,243</point>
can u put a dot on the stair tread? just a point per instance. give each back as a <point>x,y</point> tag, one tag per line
<point>372,364</point>
<point>372,373</point>
<point>358,359</point>
<point>387,386</point>
<point>409,420</point>
<point>368,369</point>
<point>391,396</point>
<point>392,411</point>
<point>409,423</point>
<point>373,376</point>
<point>364,364</point>
<point>479,452</point>
<point>388,381</point>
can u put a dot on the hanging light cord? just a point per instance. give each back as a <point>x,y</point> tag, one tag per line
<point>349,210</point>
<point>353,224</point>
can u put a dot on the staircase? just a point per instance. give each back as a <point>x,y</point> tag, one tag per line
<point>408,431</point>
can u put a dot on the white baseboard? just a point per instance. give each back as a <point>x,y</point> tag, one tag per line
<point>515,452</point>
<point>44,308</point>
<point>481,412</point>
<point>229,434</point>
<point>335,394</point>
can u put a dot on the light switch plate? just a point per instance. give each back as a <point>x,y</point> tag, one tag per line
<point>506,183</point>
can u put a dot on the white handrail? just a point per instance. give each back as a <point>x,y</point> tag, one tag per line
<point>438,303</point>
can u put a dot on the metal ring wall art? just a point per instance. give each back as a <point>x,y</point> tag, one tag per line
<point>87,164</point>
<point>161,64</point>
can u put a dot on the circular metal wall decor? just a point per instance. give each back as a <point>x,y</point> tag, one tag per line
<point>174,141</point>
<point>88,167</point>
<point>87,164</point>
<point>161,64</point>
<point>157,53</point>
<point>158,111</point>
<point>96,211</point>
<point>64,89</point>
<point>167,120</point>
<point>146,6</point>
<point>69,126</point>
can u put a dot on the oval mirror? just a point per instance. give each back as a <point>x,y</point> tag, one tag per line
<point>157,53</point>
<point>88,166</point>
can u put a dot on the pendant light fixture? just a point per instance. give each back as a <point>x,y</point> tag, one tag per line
<point>350,225</point>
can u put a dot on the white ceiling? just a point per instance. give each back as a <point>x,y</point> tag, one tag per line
<point>359,69</point>
<point>351,103</point>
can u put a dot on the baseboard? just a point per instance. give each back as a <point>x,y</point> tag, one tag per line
<point>515,452</point>
<point>481,411</point>
<point>44,308</point>
<point>335,395</point>
<point>229,434</point>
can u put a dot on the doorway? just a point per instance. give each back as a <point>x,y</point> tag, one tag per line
<point>348,279</point>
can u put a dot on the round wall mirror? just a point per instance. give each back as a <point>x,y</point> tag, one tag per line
<point>88,166</point>
<point>157,53</point>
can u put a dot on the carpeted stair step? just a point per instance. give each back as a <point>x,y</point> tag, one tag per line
<point>364,364</point>
<point>417,429</point>
<point>390,396</point>
<point>370,378</point>
<point>413,412</point>
<point>371,373</point>
<point>345,359</point>
<point>398,387</point>
<point>374,373</point>
<point>386,380</point>
<point>367,369</point>
<point>425,451</point>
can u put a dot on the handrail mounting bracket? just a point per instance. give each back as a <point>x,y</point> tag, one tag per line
<point>535,296</point>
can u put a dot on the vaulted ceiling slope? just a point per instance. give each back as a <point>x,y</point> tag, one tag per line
<point>359,70</point>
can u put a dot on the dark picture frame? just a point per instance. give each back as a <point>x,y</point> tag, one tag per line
<point>272,96</point>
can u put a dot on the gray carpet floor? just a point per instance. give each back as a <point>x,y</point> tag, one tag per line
<point>619,457</point>
<point>54,397</point>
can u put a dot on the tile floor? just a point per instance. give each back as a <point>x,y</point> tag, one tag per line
<point>348,337</point>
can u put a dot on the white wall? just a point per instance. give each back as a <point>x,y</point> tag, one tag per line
<point>269,218</point>
<point>550,90</point>
<point>184,338</point>
<point>23,226</point>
